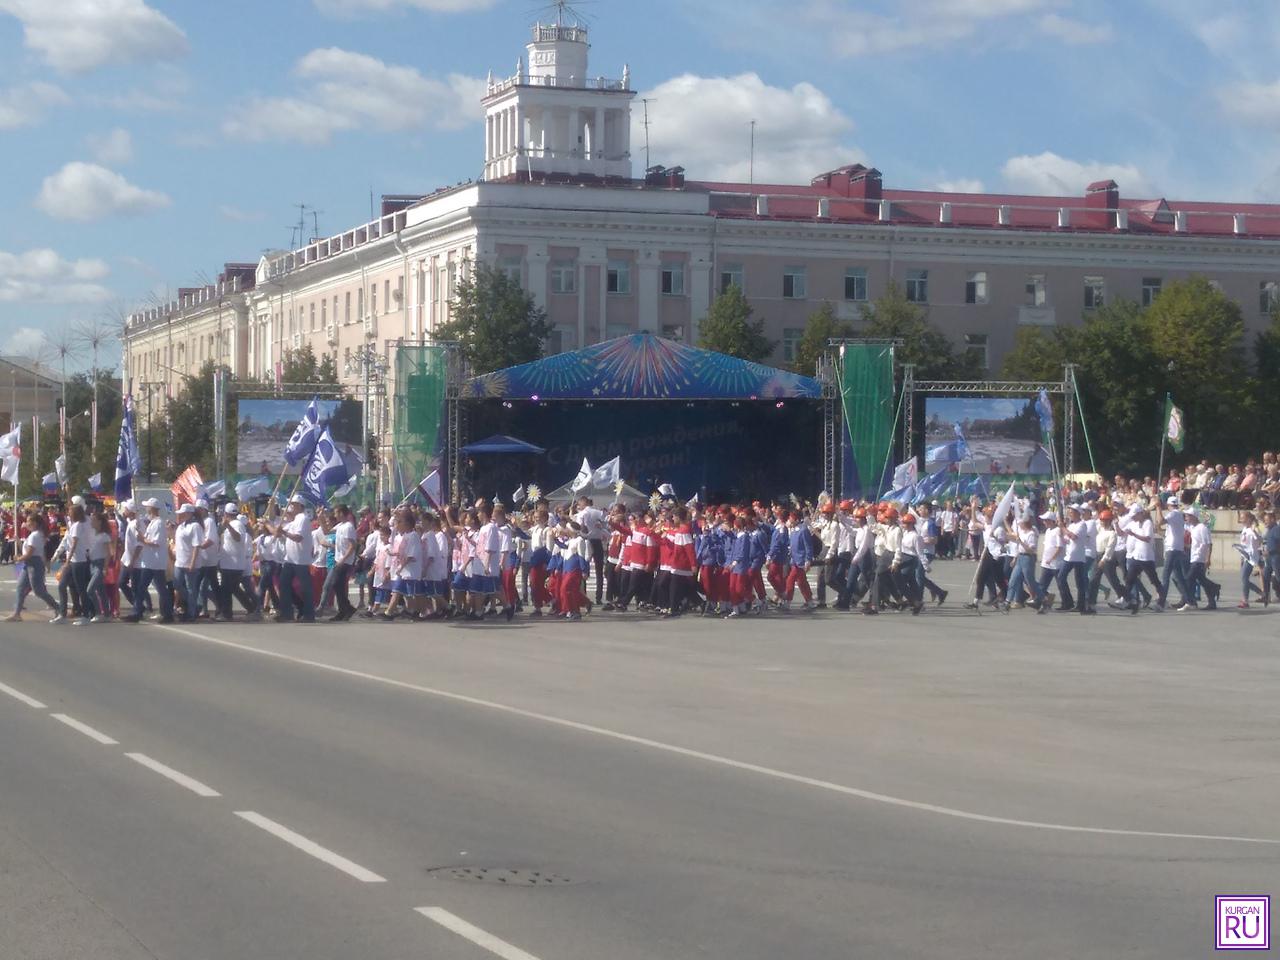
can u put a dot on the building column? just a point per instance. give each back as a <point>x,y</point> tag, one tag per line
<point>597,135</point>
<point>699,294</point>
<point>647,267</point>
<point>488,138</point>
<point>536,262</point>
<point>575,130</point>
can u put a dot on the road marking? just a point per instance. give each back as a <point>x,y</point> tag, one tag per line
<point>84,728</point>
<point>19,695</point>
<point>712,758</point>
<point>481,938</point>
<point>195,786</point>
<point>348,867</point>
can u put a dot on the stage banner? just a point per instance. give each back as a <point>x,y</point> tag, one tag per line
<point>419,422</point>
<point>867,399</point>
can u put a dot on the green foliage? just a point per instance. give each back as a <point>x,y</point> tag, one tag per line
<point>190,424</point>
<point>822,325</point>
<point>728,328</point>
<point>1266,369</point>
<point>303,366</point>
<point>495,321</point>
<point>934,356</point>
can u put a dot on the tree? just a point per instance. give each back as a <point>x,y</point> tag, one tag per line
<point>495,321</point>
<point>893,316</point>
<point>303,366</point>
<point>728,328</point>
<point>822,325</point>
<point>1266,368</point>
<point>190,423</point>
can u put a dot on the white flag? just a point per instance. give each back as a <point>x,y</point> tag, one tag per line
<point>667,490</point>
<point>583,479</point>
<point>518,497</point>
<point>607,475</point>
<point>904,475</point>
<point>60,468</point>
<point>1002,511</point>
<point>432,487</point>
<point>10,455</point>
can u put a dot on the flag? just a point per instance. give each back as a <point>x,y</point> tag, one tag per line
<point>10,455</point>
<point>325,471</point>
<point>1044,410</point>
<point>60,469</point>
<point>254,487</point>
<point>667,490</point>
<point>607,475</point>
<point>904,475</point>
<point>95,483</point>
<point>1002,511</point>
<point>432,487</point>
<point>692,502</point>
<point>305,435</point>
<point>518,496</point>
<point>50,483</point>
<point>1174,430</point>
<point>952,452</point>
<point>962,449</point>
<point>583,479</point>
<point>186,488</point>
<point>212,489</point>
<point>128,459</point>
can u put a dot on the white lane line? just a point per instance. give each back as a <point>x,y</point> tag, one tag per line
<point>19,695</point>
<point>84,728</point>
<point>715,758</point>
<point>481,938</point>
<point>348,867</point>
<point>195,786</point>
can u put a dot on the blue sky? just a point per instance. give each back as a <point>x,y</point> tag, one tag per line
<point>145,142</point>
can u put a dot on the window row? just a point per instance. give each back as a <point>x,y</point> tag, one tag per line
<point>563,276</point>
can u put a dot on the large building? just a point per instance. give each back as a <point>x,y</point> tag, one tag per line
<point>605,253</point>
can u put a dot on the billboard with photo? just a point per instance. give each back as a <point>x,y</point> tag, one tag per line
<point>984,435</point>
<point>265,426</point>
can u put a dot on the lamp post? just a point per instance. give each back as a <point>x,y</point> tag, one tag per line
<point>368,364</point>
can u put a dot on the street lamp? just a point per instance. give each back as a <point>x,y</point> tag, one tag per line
<point>367,363</point>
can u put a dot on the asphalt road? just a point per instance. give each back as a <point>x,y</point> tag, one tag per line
<point>810,786</point>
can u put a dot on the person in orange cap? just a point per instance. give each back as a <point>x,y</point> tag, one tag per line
<point>906,558</point>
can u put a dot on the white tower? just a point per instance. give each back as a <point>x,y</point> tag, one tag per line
<point>554,119</point>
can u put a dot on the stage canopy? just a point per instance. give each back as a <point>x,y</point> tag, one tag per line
<point>501,443</point>
<point>642,367</point>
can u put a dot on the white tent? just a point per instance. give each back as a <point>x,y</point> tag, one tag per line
<point>601,496</point>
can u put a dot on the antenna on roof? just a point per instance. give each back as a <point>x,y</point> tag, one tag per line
<point>751,161</point>
<point>646,129</point>
<point>561,7</point>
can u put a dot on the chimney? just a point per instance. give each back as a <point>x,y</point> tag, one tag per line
<point>1102,196</point>
<point>762,205</point>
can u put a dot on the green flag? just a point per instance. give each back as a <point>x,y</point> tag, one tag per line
<point>1174,429</point>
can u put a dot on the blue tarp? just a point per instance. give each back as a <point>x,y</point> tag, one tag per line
<point>642,367</point>
<point>501,443</point>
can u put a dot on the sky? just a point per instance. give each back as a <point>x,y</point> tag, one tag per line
<point>143,143</point>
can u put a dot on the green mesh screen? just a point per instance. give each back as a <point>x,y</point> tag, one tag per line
<point>867,396</point>
<point>418,430</point>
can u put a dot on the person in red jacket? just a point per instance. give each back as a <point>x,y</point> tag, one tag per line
<point>681,561</point>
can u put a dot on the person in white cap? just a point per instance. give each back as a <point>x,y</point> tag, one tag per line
<point>1175,553</point>
<point>234,564</point>
<point>207,560</point>
<point>1142,555</point>
<point>186,558</point>
<point>129,548</point>
<point>1201,554</point>
<point>295,576</point>
<point>152,563</point>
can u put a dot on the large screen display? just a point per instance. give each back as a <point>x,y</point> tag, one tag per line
<point>265,427</point>
<point>984,435</point>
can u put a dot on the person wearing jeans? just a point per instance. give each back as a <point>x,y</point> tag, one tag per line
<point>1175,554</point>
<point>1024,566</point>
<point>187,539</point>
<point>1201,552</point>
<point>31,580</point>
<point>299,550</point>
<point>100,550</point>
<point>337,580</point>
<point>1248,547</point>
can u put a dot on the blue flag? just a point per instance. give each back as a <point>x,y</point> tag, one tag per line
<point>128,459</point>
<point>49,482</point>
<point>305,435</point>
<point>1044,410</point>
<point>326,471</point>
<point>95,483</point>
<point>963,445</point>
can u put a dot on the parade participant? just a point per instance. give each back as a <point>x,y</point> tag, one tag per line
<point>777,557</point>
<point>929,536</point>
<point>828,558</point>
<point>640,558</point>
<point>101,551</point>
<point>1141,552</point>
<point>75,576</point>
<point>269,547</point>
<point>541,543</point>
<point>377,552</point>
<point>681,562</point>
<point>130,551</point>
<point>493,551</point>
<point>905,559</point>
<point>31,580</point>
<point>613,572</point>
<point>1025,541</point>
<point>1075,533</point>
<point>990,574</point>
<point>207,560</point>
<point>1271,556</point>
<point>1053,549</point>
<point>595,530</point>
<point>888,536</point>
<point>739,560</point>
<point>1122,559</point>
<point>153,562</point>
<point>800,548</point>
<point>1200,555</point>
<point>1175,553</point>
<point>338,577</point>
<point>1247,546</point>
<point>435,566</point>
<point>296,597</point>
<point>235,562</point>
<point>760,537</point>
<point>187,540</point>
<point>709,551</point>
<point>1109,563</point>
<point>405,563</point>
<point>576,551</point>
<point>862,561</point>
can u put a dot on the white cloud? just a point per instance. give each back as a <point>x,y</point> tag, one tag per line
<point>114,147</point>
<point>24,342</point>
<point>855,31</point>
<point>349,8</point>
<point>703,124</point>
<point>960,185</point>
<point>1252,102</point>
<point>1074,32</point>
<point>86,191</point>
<point>76,36</point>
<point>44,276</point>
<point>1048,173</point>
<point>26,103</point>
<point>353,91</point>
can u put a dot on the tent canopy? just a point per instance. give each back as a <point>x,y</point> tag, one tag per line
<point>501,443</point>
<point>600,495</point>
<point>641,367</point>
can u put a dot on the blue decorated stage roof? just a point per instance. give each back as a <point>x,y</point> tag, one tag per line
<point>642,367</point>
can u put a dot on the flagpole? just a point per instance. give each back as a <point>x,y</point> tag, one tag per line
<point>1164,435</point>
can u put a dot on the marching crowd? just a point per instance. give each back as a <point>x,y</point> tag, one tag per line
<point>1039,551</point>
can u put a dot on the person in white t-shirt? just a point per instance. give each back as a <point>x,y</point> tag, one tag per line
<point>405,560</point>
<point>295,576</point>
<point>31,556</point>
<point>1199,556</point>
<point>235,563</point>
<point>1250,557</point>
<point>1175,553</point>
<point>187,539</point>
<point>152,563</point>
<point>270,549</point>
<point>337,579</point>
<point>1075,533</point>
<point>1142,554</point>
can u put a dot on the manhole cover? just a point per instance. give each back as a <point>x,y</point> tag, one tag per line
<point>501,876</point>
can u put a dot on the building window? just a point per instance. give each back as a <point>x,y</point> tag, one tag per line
<point>564,276</point>
<point>324,313</point>
<point>1150,290</point>
<point>1095,293</point>
<point>794,283</point>
<point>673,278</point>
<point>346,315</point>
<point>563,339</point>
<point>975,288</point>
<point>360,304</point>
<point>313,315</point>
<point>975,344</point>
<point>615,330</point>
<point>346,358</point>
<point>855,284</point>
<point>791,337</point>
<point>732,275</point>
<point>373,300</point>
<point>674,332</point>
<point>1268,296</point>
<point>386,296</point>
<point>513,268</point>
<point>918,286</point>
<point>619,277</point>
<point>1036,293</point>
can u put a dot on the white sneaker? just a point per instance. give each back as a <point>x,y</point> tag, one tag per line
<point>98,618</point>
<point>79,622</point>
<point>1185,607</point>
<point>57,618</point>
